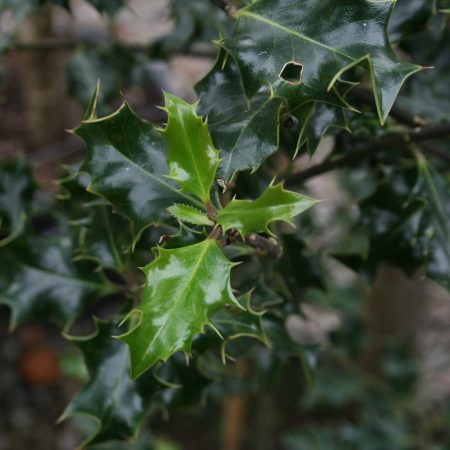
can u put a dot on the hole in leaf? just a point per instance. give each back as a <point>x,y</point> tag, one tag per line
<point>292,73</point>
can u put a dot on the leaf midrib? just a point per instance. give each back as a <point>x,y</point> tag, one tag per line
<point>192,155</point>
<point>257,208</point>
<point>149,174</point>
<point>241,133</point>
<point>64,277</point>
<point>179,296</point>
<point>274,24</point>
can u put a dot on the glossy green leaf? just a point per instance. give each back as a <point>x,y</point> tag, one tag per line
<point>16,191</point>
<point>116,403</point>
<point>252,216</point>
<point>281,41</point>
<point>189,214</point>
<point>192,158</point>
<point>184,287</point>
<point>126,162</point>
<point>39,279</point>
<point>315,119</point>
<point>245,132</point>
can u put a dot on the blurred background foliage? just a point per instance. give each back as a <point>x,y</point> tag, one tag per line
<point>359,349</point>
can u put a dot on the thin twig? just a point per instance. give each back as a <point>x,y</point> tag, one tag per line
<point>269,245</point>
<point>436,151</point>
<point>354,157</point>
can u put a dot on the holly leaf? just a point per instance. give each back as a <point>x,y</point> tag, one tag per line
<point>434,232</point>
<point>126,163</point>
<point>406,223</point>
<point>234,322</point>
<point>118,68</point>
<point>410,17</point>
<point>246,132</point>
<point>187,213</point>
<point>253,216</point>
<point>39,279</point>
<point>299,268</point>
<point>192,158</point>
<point>191,27</point>
<point>278,41</point>
<point>428,95</point>
<point>116,403</point>
<point>102,237</point>
<point>184,287</point>
<point>315,119</point>
<point>16,191</point>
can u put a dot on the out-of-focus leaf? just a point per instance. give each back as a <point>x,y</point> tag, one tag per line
<point>22,9</point>
<point>116,403</point>
<point>409,17</point>
<point>109,7</point>
<point>263,297</point>
<point>280,342</point>
<point>434,231</point>
<point>39,279</point>
<point>280,39</point>
<point>192,158</point>
<point>299,269</point>
<point>407,223</point>
<point>246,133</point>
<point>116,67</point>
<point>428,95</point>
<point>233,323</point>
<point>103,237</point>
<point>126,162</point>
<point>184,287</point>
<point>252,216</point>
<point>191,26</point>
<point>16,191</point>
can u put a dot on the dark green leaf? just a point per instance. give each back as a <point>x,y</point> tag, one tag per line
<point>16,191</point>
<point>191,26</point>
<point>126,163</point>
<point>234,323</point>
<point>39,279</point>
<point>276,36</point>
<point>103,237</point>
<point>409,17</point>
<point>116,403</point>
<point>246,133</point>
<point>299,268</point>
<point>406,222</point>
<point>116,67</point>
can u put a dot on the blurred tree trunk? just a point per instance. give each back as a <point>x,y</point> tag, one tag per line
<point>415,312</point>
<point>43,83</point>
